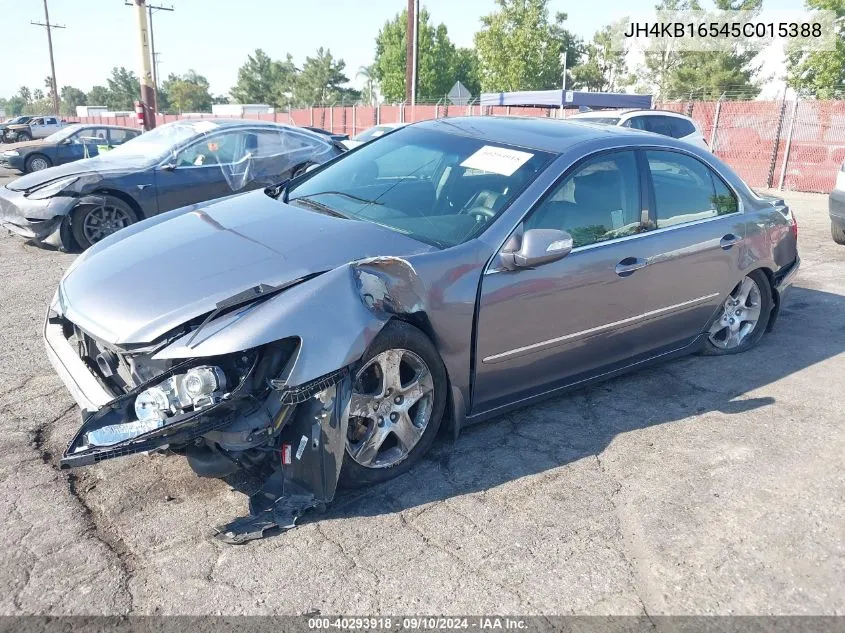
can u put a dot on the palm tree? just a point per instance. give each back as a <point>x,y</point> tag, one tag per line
<point>369,94</point>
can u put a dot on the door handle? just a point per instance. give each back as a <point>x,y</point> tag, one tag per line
<point>630,264</point>
<point>728,240</point>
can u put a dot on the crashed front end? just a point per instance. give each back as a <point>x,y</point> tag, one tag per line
<point>224,413</point>
<point>229,394</point>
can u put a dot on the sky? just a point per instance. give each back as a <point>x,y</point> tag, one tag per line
<point>214,37</point>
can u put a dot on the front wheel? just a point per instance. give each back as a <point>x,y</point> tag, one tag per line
<point>397,403</point>
<point>743,318</point>
<point>23,136</point>
<point>837,233</point>
<point>91,223</point>
<point>37,163</point>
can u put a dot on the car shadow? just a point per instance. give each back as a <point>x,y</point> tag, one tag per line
<point>582,423</point>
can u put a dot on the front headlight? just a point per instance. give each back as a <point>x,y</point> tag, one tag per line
<point>11,152</point>
<point>198,388</point>
<point>51,188</point>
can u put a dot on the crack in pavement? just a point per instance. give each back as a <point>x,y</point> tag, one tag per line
<point>115,544</point>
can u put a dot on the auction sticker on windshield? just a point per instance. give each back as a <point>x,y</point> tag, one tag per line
<point>497,160</point>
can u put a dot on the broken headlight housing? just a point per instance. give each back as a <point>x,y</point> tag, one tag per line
<point>196,389</point>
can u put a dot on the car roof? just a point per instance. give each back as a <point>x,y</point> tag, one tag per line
<point>540,133</point>
<point>625,112</point>
<point>105,125</point>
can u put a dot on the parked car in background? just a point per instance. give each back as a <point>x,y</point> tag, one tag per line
<point>372,133</point>
<point>332,135</point>
<point>36,127</point>
<point>18,120</point>
<point>175,165</point>
<point>836,202</point>
<point>469,265</point>
<point>658,121</point>
<point>71,143</point>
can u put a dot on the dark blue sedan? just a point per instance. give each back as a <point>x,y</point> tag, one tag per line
<point>69,144</point>
<point>173,166</point>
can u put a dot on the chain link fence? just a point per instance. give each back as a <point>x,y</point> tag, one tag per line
<point>787,144</point>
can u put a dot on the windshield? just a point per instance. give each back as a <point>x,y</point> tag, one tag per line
<point>18,119</point>
<point>159,142</point>
<point>65,132</point>
<point>440,188</point>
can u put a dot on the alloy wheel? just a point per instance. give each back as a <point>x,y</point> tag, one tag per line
<point>740,314</point>
<point>104,221</point>
<point>391,405</point>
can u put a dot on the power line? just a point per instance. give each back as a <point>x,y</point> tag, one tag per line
<point>49,27</point>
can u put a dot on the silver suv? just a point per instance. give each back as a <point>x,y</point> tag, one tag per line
<point>657,121</point>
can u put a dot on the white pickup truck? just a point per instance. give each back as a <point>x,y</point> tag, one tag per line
<point>37,127</point>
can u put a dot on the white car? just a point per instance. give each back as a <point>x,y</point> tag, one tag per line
<point>371,133</point>
<point>657,121</point>
<point>37,127</point>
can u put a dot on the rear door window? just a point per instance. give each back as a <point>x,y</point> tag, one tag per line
<point>681,127</point>
<point>686,190</point>
<point>118,137</point>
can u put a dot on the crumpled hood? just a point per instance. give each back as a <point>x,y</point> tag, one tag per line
<point>104,163</point>
<point>138,288</point>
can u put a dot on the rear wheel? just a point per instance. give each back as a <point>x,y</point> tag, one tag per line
<point>744,316</point>
<point>398,398</point>
<point>837,233</point>
<point>37,162</point>
<point>91,223</point>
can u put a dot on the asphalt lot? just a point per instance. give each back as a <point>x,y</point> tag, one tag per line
<point>702,486</point>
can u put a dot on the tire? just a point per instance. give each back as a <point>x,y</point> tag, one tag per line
<point>36,162</point>
<point>718,344</point>
<point>87,222</point>
<point>23,136</point>
<point>837,233</point>
<point>401,338</point>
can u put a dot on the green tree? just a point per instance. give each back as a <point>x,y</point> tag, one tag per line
<point>439,64</point>
<point>519,48</point>
<point>218,99</point>
<point>25,94</point>
<point>465,69</point>
<point>604,69</point>
<point>661,58</point>
<point>264,80</point>
<point>124,88</point>
<point>321,80</point>
<point>369,95</point>
<point>820,73</point>
<point>15,105</point>
<point>187,93</point>
<point>676,74</point>
<point>38,94</point>
<point>98,96</point>
<point>71,97</point>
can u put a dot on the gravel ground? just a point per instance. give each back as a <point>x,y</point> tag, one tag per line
<point>702,486</point>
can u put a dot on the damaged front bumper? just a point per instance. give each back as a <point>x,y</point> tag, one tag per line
<point>39,220</point>
<point>302,429</point>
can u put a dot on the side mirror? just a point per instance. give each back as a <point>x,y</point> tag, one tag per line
<point>169,165</point>
<point>67,141</point>
<point>537,247</point>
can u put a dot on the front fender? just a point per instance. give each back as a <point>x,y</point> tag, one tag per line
<point>335,316</point>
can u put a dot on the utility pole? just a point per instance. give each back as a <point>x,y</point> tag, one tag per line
<point>411,53</point>
<point>46,24</point>
<point>153,55</point>
<point>147,90</point>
